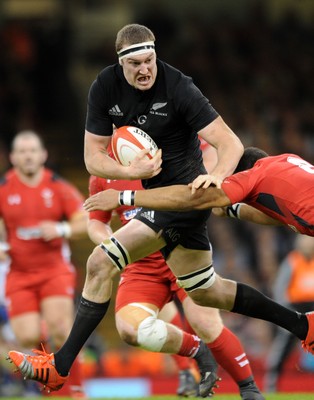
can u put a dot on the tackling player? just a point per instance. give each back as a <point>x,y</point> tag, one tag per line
<point>275,190</point>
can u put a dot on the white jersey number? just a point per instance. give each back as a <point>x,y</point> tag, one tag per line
<point>306,166</point>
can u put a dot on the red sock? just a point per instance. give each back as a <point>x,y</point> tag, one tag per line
<point>189,346</point>
<point>229,353</point>
<point>181,362</point>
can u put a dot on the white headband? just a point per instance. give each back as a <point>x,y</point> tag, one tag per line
<point>138,48</point>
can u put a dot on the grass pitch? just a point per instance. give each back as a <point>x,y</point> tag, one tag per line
<point>277,396</point>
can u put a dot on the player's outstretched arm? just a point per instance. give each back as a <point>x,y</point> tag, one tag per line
<point>106,200</point>
<point>180,198</point>
<point>246,213</point>
<point>171,198</point>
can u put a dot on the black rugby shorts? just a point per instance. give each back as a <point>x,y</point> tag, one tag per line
<point>189,229</point>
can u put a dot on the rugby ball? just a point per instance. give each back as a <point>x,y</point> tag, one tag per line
<point>128,141</point>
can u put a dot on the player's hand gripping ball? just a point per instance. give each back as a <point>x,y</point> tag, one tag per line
<point>128,141</point>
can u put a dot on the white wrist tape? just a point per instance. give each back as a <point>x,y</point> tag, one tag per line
<point>64,229</point>
<point>127,198</point>
<point>233,211</point>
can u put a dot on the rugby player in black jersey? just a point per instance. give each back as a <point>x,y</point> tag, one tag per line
<point>143,91</point>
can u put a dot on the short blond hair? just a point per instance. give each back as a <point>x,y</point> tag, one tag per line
<point>133,34</point>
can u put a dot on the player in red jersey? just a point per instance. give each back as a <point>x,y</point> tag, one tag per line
<point>144,288</point>
<point>147,285</point>
<point>276,190</point>
<point>40,212</point>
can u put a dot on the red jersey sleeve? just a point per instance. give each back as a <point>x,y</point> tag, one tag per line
<point>238,186</point>
<point>126,213</point>
<point>97,185</point>
<point>71,198</point>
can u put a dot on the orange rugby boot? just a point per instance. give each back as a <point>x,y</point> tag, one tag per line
<point>40,368</point>
<point>308,343</point>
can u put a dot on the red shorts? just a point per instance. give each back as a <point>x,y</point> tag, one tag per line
<point>148,281</point>
<point>25,291</point>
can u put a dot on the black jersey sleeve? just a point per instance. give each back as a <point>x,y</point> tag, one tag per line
<point>192,103</point>
<point>97,119</point>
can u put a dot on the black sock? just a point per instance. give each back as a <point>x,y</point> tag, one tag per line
<point>251,302</point>
<point>205,359</point>
<point>248,385</point>
<point>248,382</point>
<point>87,318</point>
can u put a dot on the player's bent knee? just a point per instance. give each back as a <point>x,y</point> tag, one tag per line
<point>152,334</point>
<point>96,264</point>
<point>129,336</point>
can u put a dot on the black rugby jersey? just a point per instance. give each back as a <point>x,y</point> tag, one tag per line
<point>171,112</point>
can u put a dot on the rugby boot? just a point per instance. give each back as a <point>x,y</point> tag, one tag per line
<point>251,392</point>
<point>40,368</point>
<point>188,387</point>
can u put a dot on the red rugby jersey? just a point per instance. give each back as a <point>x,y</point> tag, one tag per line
<point>22,207</point>
<point>280,186</point>
<point>126,213</point>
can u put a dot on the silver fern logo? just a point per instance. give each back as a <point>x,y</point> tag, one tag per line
<point>158,106</point>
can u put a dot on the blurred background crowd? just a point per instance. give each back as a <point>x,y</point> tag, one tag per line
<point>253,59</point>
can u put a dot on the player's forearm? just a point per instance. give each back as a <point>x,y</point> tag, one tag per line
<point>177,198</point>
<point>252,214</point>
<point>97,160</point>
<point>249,213</point>
<point>78,225</point>
<point>229,154</point>
<point>228,145</point>
<point>100,164</point>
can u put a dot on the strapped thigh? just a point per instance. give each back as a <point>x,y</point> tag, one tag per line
<point>201,279</point>
<point>117,253</point>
